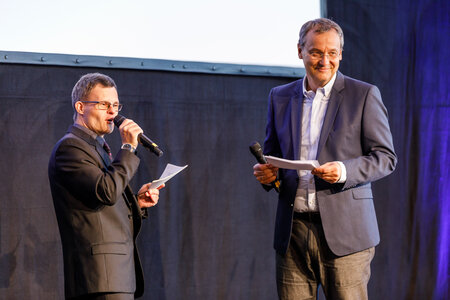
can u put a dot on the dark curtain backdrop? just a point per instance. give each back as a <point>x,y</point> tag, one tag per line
<point>210,237</point>
<point>403,47</point>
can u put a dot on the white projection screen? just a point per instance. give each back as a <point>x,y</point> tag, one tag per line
<point>259,32</point>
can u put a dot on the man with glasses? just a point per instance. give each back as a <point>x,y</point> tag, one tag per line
<point>98,215</point>
<point>326,228</point>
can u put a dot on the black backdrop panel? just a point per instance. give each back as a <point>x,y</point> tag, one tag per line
<point>210,236</point>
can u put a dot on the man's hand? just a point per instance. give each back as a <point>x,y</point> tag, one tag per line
<point>330,172</point>
<point>265,173</point>
<point>148,197</point>
<point>129,132</point>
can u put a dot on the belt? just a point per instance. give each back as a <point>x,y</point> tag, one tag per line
<point>313,217</point>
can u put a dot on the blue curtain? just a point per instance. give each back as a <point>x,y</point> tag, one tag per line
<point>403,47</point>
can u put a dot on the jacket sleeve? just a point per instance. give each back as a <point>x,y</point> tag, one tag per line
<point>378,159</point>
<point>78,167</point>
<point>271,143</point>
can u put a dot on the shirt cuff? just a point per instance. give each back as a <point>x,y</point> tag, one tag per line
<point>343,177</point>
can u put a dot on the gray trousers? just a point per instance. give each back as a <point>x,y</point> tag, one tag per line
<point>309,263</point>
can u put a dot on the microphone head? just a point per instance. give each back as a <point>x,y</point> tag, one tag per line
<point>119,120</point>
<point>255,149</point>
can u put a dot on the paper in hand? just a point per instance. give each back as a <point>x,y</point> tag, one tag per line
<point>292,164</point>
<point>169,172</point>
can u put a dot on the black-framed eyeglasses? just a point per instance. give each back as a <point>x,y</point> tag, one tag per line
<point>104,105</point>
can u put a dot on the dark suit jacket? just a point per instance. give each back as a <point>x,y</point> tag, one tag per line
<point>356,132</point>
<point>98,216</point>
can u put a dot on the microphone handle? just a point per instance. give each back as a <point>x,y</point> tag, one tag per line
<point>149,144</point>
<point>256,150</point>
<point>261,159</point>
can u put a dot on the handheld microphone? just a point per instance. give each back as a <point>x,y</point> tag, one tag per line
<point>142,138</point>
<point>255,149</point>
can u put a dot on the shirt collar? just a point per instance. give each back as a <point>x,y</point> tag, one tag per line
<point>326,90</point>
<point>90,133</point>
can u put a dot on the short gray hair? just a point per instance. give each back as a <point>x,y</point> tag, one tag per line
<point>319,26</point>
<point>85,85</point>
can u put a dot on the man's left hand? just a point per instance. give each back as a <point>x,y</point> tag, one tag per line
<point>148,197</point>
<point>330,172</point>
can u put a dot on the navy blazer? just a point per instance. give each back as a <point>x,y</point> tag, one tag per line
<point>98,216</point>
<point>355,131</point>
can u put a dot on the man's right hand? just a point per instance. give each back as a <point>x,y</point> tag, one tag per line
<point>265,173</point>
<point>129,132</point>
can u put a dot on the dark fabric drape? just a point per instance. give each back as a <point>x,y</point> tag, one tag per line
<point>402,47</point>
<point>210,236</point>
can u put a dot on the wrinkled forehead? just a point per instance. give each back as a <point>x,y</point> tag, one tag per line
<point>103,93</point>
<point>329,38</point>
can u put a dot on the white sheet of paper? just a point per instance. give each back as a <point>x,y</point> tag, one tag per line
<point>292,164</point>
<point>169,172</point>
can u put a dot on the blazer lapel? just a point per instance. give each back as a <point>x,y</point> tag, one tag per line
<point>91,141</point>
<point>332,109</point>
<point>128,196</point>
<point>296,116</point>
